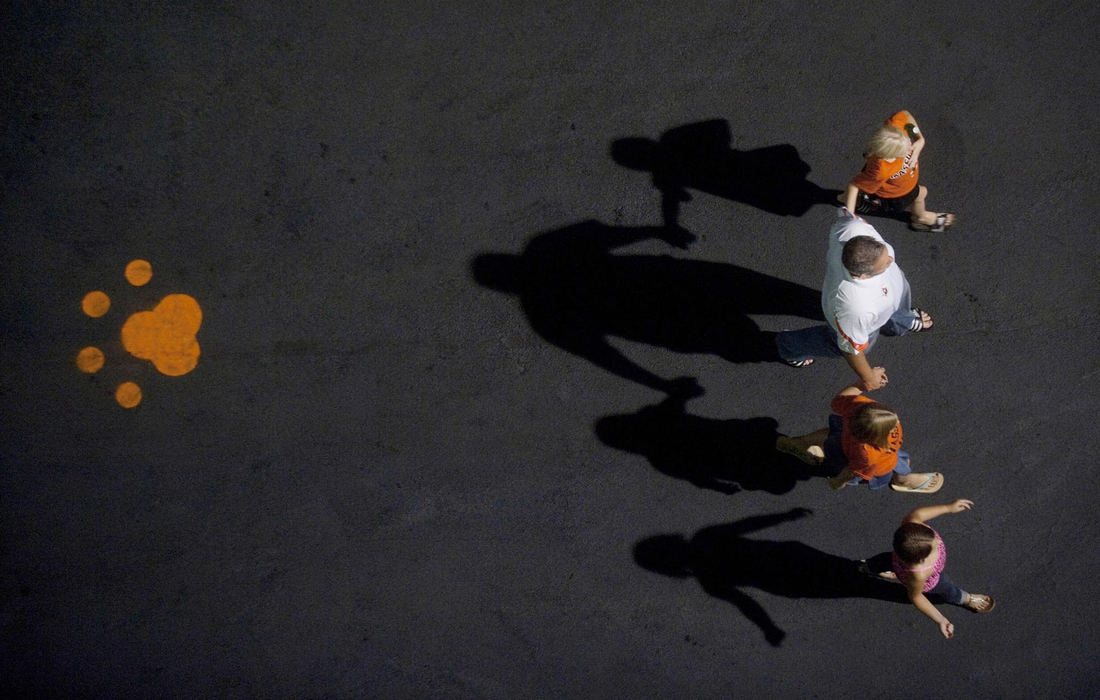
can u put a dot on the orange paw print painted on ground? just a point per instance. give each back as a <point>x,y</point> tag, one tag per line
<point>165,336</point>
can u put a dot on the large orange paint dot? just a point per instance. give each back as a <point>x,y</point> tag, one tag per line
<point>128,394</point>
<point>139,272</point>
<point>166,335</point>
<point>90,360</point>
<point>95,304</point>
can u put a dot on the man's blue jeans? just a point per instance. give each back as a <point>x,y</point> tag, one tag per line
<point>821,341</point>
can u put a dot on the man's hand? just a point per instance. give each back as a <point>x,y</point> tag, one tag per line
<point>876,380</point>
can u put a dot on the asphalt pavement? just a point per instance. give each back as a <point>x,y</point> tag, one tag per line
<point>454,375</point>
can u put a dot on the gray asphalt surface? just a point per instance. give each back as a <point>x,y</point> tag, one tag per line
<point>438,426</point>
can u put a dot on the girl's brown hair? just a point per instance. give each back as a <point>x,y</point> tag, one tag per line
<point>913,542</point>
<point>872,424</point>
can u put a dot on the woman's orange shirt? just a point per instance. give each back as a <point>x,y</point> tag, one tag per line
<point>865,460</point>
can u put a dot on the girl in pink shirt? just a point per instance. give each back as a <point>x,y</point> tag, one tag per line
<point>917,562</point>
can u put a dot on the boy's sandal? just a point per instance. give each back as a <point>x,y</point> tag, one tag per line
<point>941,225</point>
<point>927,487</point>
<point>811,455</point>
<point>918,323</point>
<point>800,363</point>
<point>980,603</point>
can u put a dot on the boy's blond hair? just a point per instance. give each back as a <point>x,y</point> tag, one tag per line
<point>888,142</point>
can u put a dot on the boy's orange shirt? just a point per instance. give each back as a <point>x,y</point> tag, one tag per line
<point>889,179</point>
<point>865,460</point>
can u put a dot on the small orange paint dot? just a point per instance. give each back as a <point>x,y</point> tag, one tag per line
<point>95,304</point>
<point>90,360</point>
<point>139,272</point>
<point>128,394</point>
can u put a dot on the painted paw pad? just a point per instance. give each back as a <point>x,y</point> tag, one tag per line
<point>165,336</point>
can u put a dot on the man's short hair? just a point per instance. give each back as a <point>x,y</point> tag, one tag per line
<point>860,254</point>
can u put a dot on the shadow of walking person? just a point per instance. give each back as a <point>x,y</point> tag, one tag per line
<point>719,455</point>
<point>723,561</point>
<point>698,156</point>
<point>576,295</point>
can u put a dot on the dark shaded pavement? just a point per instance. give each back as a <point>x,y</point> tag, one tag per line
<point>447,349</point>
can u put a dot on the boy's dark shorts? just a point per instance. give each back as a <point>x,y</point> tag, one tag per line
<point>886,206</point>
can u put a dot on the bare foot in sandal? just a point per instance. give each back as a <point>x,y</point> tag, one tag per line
<point>810,454</point>
<point>979,602</point>
<point>917,483</point>
<point>933,221</point>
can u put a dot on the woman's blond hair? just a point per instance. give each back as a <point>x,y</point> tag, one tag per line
<point>872,424</point>
<point>888,142</point>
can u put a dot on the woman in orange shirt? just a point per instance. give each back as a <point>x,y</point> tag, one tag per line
<point>887,184</point>
<point>864,440</point>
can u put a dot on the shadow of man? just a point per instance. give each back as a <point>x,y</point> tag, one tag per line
<point>576,294</point>
<point>719,455</point>
<point>698,156</point>
<point>723,561</point>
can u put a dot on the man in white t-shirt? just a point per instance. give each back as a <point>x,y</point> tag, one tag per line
<point>864,292</point>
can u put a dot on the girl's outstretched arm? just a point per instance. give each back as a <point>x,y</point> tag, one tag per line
<point>922,515</point>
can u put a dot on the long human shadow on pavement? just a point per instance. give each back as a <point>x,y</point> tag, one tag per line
<point>726,456</point>
<point>698,156</point>
<point>576,294</point>
<point>724,562</point>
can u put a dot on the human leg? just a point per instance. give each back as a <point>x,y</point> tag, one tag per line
<point>806,344</point>
<point>946,590</point>
<point>808,448</point>
<point>923,220</point>
<point>835,457</point>
<point>926,482</point>
<point>904,479</point>
<point>908,318</point>
<point>879,566</point>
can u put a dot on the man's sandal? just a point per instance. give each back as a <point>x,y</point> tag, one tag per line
<point>918,323</point>
<point>800,363</point>
<point>941,225</point>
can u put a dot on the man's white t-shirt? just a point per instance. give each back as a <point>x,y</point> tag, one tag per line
<point>856,308</point>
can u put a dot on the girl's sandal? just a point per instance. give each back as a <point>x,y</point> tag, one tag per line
<point>980,603</point>
<point>865,569</point>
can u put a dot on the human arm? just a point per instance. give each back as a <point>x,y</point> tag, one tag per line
<point>851,197</point>
<point>913,586</point>
<point>912,129</point>
<point>871,378</point>
<point>923,515</point>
